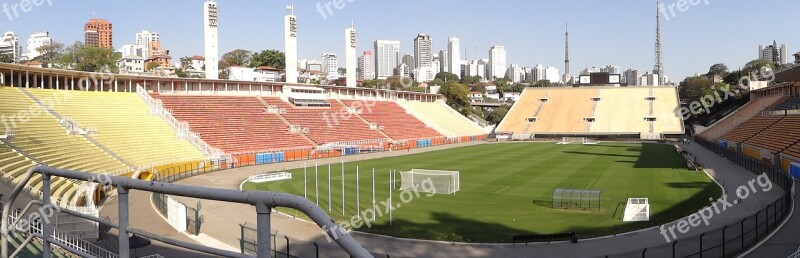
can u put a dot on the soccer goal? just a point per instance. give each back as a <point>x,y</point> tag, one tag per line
<point>571,140</point>
<point>637,209</point>
<point>438,181</point>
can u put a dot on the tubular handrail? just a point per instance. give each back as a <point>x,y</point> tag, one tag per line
<point>263,201</point>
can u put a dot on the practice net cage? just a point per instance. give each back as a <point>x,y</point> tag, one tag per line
<point>431,181</point>
<point>576,199</point>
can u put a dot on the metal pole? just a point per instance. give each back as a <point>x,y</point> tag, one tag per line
<point>316,182</point>
<point>373,194</point>
<point>329,188</point>
<point>358,196</point>
<point>46,235</point>
<point>342,187</point>
<point>723,240</point>
<point>390,197</point>
<point>123,240</point>
<point>701,244</point>
<point>305,180</point>
<point>287,246</point>
<point>264,229</point>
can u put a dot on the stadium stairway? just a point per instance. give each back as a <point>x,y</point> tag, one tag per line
<point>39,135</point>
<point>320,124</point>
<point>285,121</point>
<point>516,119</point>
<point>365,121</point>
<point>235,124</point>
<point>125,127</point>
<point>85,136</point>
<point>396,122</point>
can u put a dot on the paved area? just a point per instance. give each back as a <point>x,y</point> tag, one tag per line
<point>787,240</point>
<point>222,220</point>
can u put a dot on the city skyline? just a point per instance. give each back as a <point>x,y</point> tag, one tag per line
<point>590,45</point>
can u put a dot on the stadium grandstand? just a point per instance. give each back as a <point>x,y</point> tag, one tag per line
<point>600,112</point>
<point>766,127</point>
<point>149,132</point>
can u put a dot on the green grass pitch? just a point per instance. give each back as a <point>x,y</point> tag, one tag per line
<point>506,190</point>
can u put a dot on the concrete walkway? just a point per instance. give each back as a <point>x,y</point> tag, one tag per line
<point>222,220</point>
<point>787,240</point>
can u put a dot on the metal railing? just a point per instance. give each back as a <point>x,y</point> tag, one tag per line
<point>58,235</point>
<point>157,108</point>
<point>263,201</point>
<point>795,254</point>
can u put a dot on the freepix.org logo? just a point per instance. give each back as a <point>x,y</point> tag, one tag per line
<point>14,10</point>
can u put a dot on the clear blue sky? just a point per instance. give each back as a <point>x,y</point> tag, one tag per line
<point>618,32</point>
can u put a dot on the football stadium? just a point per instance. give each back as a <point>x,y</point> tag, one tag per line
<point>212,159</point>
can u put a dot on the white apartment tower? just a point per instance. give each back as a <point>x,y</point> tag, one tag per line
<point>423,54</point>
<point>387,58</point>
<point>9,46</point>
<point>444,64</point>
<point>36,41</point>
<point>330,65</point>
<point>365,66</point>
<point>454,58</point>
<point>210,24</point>
<point>497,62</point>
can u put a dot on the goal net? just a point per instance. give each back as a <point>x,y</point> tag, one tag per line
<point>571,140</point>
<point>430,181</point>
<point>637,209</point>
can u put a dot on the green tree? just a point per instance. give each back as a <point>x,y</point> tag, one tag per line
<point>239,57</point>
<point>181,73</point>
<point>544,83</point>
<point>446,77</point>
<point>272,58</point>
<point>152,65</point>
<point>470,80</point>
<point>7,58</point>
<point>224,74</point>
<point>497,115</point>
<point>518,87</point>
<point>757,64</point>
<point>89,58</point>
<point>693,88</point>
<point>718,69</point>
<point>502,85</point>
<point>186,62</point>
<point>50,53</point>
<point>457,96</point>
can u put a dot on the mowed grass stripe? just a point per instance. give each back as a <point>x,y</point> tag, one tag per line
<point>506,189</point>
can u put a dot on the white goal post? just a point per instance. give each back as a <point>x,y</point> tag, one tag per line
<point>637,209</point>
<point>579,140</point>
<point>571,140</point>
<point>430,181</point>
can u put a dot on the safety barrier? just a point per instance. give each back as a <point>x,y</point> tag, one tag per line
<point>263,201</point>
